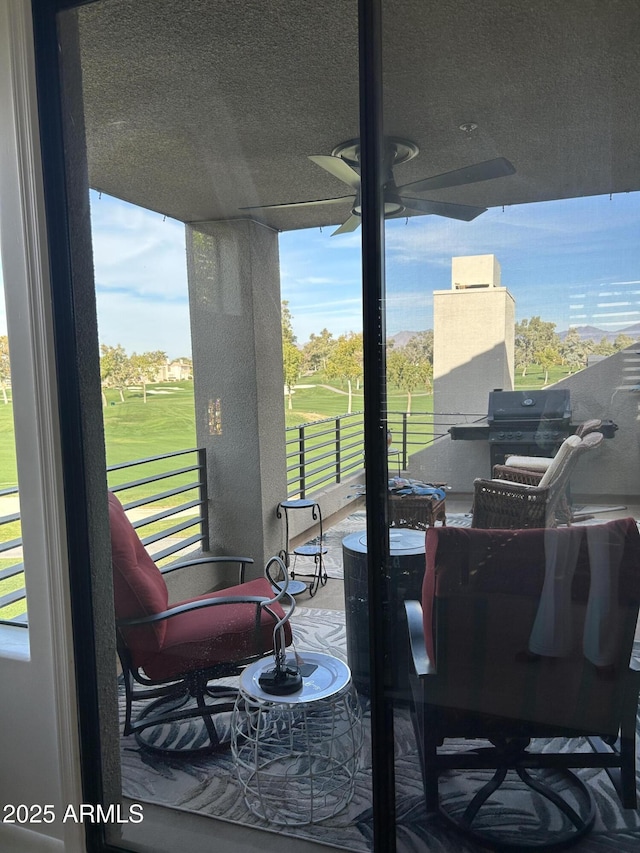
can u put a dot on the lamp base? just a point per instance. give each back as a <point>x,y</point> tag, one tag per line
<point>280,682</point>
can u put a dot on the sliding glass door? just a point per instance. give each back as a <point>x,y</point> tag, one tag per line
<point>511,203</point>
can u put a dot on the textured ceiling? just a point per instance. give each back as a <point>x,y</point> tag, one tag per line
<point>198,108</point>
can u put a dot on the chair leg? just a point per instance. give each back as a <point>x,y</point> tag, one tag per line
<point>628,773</point>
<point>205,713</point>
<point>430,771</point>
<point>627,747</point>
<point>423,729</point>
<point>128,694</point>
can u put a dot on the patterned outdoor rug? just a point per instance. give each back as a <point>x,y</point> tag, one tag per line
<point>207,785</point>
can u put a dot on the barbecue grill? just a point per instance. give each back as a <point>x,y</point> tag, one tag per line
<point>529,423</point>
<point>525,423</point>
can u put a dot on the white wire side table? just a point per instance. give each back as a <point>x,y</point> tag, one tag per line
<point>297,756</point>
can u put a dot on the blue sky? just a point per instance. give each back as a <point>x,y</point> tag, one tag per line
<point>575,262</point>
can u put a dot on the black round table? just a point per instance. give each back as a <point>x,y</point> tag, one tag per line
<point>405,574</point>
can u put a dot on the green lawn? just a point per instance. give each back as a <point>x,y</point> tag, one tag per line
<point>134,429</point>
<point>166,422</point>
<point>8,471</point>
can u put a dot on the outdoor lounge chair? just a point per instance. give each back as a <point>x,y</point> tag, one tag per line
<point>174,651</point>
<point>526,634</point>
<point>528,500</point>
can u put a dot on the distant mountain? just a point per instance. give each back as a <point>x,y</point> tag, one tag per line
<point>595,334</point>
<point>400,339</point>
<point>633,331</point>
<point>586,333</point>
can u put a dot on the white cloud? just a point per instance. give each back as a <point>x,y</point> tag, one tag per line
<point>137,250</point>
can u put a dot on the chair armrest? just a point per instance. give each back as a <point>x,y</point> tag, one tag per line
<point>191,605</point>
<point>421,661</point>
<point>517,475</point>
<point>198,561</point>
<point>507,486</point>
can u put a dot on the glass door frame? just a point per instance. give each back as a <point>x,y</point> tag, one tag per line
<point>78,491</point>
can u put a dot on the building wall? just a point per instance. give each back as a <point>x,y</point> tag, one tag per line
<point>473,347</point>
<point>475,271</point>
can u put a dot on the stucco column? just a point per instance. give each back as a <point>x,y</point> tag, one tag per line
<point>234,295</point>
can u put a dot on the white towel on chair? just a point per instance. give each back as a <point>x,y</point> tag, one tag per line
<point>601,624</point>
<point>551,632</point>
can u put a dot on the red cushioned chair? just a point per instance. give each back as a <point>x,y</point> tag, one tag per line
<point>175,651</point>
<point>526,634</point>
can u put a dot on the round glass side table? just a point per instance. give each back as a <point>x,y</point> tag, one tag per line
<point>297,756</point>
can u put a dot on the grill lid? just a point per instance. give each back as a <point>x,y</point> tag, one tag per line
<point>531,406</point>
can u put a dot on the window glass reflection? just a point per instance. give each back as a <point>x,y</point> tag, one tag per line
<point>524,284</point>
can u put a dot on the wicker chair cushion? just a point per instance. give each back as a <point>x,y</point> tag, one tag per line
<point>568,446</point>
<point>531,463</point>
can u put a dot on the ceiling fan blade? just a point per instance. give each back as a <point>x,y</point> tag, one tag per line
<point>340,200</point>
<point>464,212</point>
<point>498,168</point>
<point>338,168</point>
<point>351,224</point>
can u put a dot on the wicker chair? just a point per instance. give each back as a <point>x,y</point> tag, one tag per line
<point>535,500</point>
<point>529,470</point>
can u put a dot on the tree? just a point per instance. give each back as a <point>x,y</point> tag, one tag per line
<point>623,341</point>
<point>287,323</point>
<point>406,374</point>
<point>115,369</point>
<point>573,350</point>
<point>546,358</point>
<point>605,347</point>
<point>533,336</point>
<point>318,349</point>
<point>419,348</point>
<point>292,363</point>
<point>291,355</point>
<point>5,367</point>
<point>144,368</point>
<point>345,362</point>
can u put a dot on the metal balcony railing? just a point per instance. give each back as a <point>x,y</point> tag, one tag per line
<point>322,453</point>
<point>184,496</point>
<point>12,591</point>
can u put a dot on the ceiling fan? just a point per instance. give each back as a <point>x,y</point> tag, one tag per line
<point>344,163</point>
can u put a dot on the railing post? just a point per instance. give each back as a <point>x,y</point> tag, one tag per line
<point>204,497</point>
<point>405,459</point>
<point>302,466</point>
<point>338,450</point>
